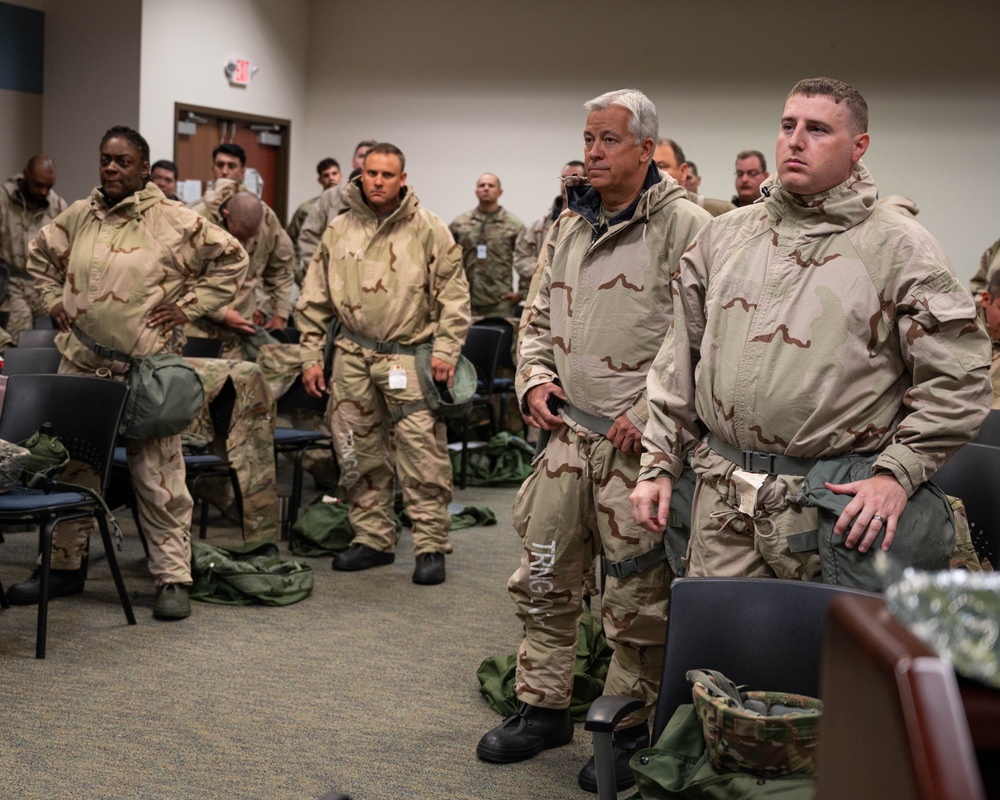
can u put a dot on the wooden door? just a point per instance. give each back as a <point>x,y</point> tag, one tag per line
<point>199,130</point>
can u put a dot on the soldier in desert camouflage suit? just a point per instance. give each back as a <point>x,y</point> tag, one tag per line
<point>820,325</point>
<point>989,262</point>
<point>248,442</point>
<point>129,267</point>
<point>270,275</point>
<point>602,310</point>
<point>487,235</point>
<point>390,272</point>
<point>27,204</point>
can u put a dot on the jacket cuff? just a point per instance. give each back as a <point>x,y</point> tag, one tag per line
<point>903,463</point>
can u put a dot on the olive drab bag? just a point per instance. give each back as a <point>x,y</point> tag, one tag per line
<point>241,576</point>
<point>165,393</point>
<point>732,745</point>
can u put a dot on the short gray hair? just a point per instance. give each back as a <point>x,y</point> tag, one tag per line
<point>643,124</point>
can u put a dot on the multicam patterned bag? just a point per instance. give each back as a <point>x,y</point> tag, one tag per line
<point>12,458</point>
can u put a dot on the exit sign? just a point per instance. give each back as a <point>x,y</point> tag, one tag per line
<point>241,75</point>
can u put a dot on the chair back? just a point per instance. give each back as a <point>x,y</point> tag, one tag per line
<point>31,361</point>
<point>764,633</point>
<point>989,432</point>
<point>482,348</point>
<point>973,475</point>
<point>84,411</point>
<point>506,343</point>
<point>202,347</point>
<point>37,337</point>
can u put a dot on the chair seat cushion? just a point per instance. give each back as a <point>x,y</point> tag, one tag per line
<point>19,500</point>
<point>290,436</point>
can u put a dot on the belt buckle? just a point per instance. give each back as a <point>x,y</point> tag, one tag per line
<point>625,568</point>
<point>104,352</point>
<point>759,462</point>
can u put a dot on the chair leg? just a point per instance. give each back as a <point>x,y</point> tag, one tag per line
<point>109,550</point>
<point>3,598</point>
<point>45,547</point>
<point>237,494</point>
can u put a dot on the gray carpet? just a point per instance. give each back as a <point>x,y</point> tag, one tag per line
<point>367,687</point>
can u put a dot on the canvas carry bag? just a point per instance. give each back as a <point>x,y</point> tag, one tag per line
<point>678,767</point>
<point>242,576</point>
<point>165,392</point>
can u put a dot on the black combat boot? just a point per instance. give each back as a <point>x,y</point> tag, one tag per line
<point>360,556</point>
<point>526,734</point>
<point>625,743</point>
<point>62,583</point>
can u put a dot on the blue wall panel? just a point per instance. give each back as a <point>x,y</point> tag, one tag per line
<point>22,48</point>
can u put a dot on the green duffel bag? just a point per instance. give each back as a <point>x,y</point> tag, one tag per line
<point>321,530</point>
<point>242,576</point>
<point>678,767</point>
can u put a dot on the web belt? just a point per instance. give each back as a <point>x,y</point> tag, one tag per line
<point>589,421</point>
<point>378,346</point>
<point>756,461</point>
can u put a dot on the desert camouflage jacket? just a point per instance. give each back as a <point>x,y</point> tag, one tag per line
<point>326,208</point>
<point>398,280</point>
<point>528,246</point>
<point>110,267</point>
<point>493,276</point>
<point>818,326</point>
<point>988,264</point>
<point>19,222</point>
<point>604,305</point>
<point>272,259</point>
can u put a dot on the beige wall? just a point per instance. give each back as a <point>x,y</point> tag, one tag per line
<point>20,130</point>
<point>91,83</point>
<point>501,90</point>
<point>465,88</point>
<point>187,43</point>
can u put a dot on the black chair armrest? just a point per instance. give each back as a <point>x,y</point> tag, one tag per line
<point>608,710</point>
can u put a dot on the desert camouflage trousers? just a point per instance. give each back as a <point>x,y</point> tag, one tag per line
<point>22,305</point>
<point>727,543</point>
<point>361,406</point>
<point>156,468</point>
<point>238,424</point>
<point>281,365</point>
<point>572,505</point>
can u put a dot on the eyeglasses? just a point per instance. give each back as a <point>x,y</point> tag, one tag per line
<point>750,173</point>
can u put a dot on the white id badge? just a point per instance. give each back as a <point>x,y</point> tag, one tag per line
<point>747,486</point>
<point>481,251</point>
<point>397,378</point>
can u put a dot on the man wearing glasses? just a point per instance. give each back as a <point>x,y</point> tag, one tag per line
<point>751,172</point>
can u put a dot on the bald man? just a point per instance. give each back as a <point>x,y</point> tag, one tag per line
<point>487,235</point>
<point>27,204</point>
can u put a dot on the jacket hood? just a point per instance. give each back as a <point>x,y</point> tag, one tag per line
<point>657,191</point>
<point>355,200</point>
<point>222,190</point>
<point>12,187</point>
<point>132,206</point>
<point>837,209</point>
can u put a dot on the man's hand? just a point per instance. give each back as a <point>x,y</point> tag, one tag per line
<point>625,436</point>
<point>58,313</point>
<point>312,380</point>
<point>878,501</point>
<point>513,297</point>
<point>442,371</point>
<point>275,323</point>
<point>239,323</point>
<point>258,317</point>
<point>167,316</point>
<point>538,409</point>
<point>650,502</point>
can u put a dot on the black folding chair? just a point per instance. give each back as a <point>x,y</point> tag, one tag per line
<point>766,634</point>
<point>31,361</point>
<point>202,347</point>
<point>37,337</point>
<point>84,412</point>
<point>482,348</point>
<point>297,442</point>
<point>973,475</point>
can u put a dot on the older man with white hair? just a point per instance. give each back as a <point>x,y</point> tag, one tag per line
<point>603,308</point>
